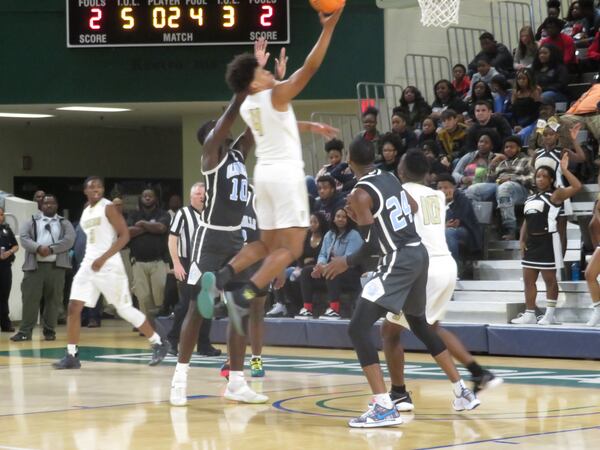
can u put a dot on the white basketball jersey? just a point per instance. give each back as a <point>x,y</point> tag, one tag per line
<point>275,133</point>
<point>430,220</point>
<point>99,232</point>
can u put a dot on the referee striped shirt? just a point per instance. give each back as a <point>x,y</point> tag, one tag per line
<point>183,225</point>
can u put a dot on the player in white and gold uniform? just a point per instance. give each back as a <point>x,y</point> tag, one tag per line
<point>430,222</point>
<point>282,201</point>
<point>102,272</point>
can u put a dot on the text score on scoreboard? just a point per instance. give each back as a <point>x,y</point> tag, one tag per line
<point>145,23</point>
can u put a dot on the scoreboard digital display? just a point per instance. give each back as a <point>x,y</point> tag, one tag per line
<point>145,23</point>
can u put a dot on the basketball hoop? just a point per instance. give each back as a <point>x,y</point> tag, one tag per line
<point>439,13</point>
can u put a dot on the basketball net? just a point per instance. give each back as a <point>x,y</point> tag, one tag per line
<point>439,13</point>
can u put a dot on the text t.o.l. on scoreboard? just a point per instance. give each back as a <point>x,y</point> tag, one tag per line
<point>144,23</point>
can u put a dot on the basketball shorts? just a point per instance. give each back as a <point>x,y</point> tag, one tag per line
<point>110,281</point>
<point>400,282</point>
<point>441,281</point>
<point>281,196</point>
<point>211,250</point>
<point>543,252</point>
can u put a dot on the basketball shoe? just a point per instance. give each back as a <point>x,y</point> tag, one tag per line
<point>256,368</point>
<point>465,401</point>
<point>68,362</point>
<point>178,396</point>
<point>377,416</point>
<point>487,380</point>
<point>243,393</point>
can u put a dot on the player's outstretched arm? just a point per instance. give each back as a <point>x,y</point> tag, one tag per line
<point>221,131</point>
<point>118,222</point>
<point>327,131</point>
<point>287,90</point>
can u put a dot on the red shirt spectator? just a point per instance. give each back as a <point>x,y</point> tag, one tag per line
<point>564,43</point>
<point>594,50</point>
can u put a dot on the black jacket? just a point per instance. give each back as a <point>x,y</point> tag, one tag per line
<point>461,208</point>
<point>501,60</point>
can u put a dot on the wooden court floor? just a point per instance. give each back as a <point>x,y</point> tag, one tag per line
<point>117,402</point>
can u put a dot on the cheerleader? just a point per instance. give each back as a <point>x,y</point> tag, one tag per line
<point>549,155</point>
<point>540,246</point>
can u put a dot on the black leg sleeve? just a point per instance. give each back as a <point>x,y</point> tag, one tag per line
<point>364,317</point>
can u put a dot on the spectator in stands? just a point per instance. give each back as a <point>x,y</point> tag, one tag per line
<point>400,128</point>
<point>329,200</point>
<point>473,167</point>
<point>526,50</point>
<point>337,168</point>
<point>526,101</point>
<point>564,43</point>
<point>576,25</point>
<point>341,240</point>
<point>591,61</point>
<point>38,197</point>
<point>148,228</point>
<point>551,74</point>
<point>538,251</point>
<point>485,118</point>
<point>289,295</point>
<point>591,16</point>
<point>509,178</point>
<point>428,133</point>
<point>461,81</point>
<point>391,152</point>
<point>553,12</point>
<point>502,91</point>
<point>438,164</point>
<point>8,248</point>
<point>175,203</point>
<point>497,54</point>
<point>548,110</point>
<point>585,110</point>
<point>453,135</point>
<point>446,98</point>
<point>485,72</point>
<point>462,227</point>
<point>369,120</point>
<point>481,92</point>
<point>414,106</point>
<point>47,239</point>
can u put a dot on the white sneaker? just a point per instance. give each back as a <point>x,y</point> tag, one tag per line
<point>244,394</point>
<point>465,401</point>
<point>330,314</point>
<point>304,314</point>
<point>278,310</point>
<point>178,395</point>
<point>525,318</point>
<point>595,319</point>
<point>548,320</point>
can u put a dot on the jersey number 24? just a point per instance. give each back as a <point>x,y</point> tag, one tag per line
<point>400,211</point>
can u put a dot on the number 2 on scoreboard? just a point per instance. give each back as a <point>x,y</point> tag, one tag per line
<point>95,19</point>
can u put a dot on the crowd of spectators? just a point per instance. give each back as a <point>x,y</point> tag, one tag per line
<point>480,135</point>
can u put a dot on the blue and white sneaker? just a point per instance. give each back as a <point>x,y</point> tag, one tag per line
<point>377,416</point>
<point>208,293</point>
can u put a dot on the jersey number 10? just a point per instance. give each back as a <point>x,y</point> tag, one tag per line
<point>239,190</point>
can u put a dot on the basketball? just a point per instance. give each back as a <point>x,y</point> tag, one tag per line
<point>327,6</point>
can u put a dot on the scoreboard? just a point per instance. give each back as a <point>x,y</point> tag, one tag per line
<point>145,23</point>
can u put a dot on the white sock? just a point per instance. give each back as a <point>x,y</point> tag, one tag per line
<point>383,400</point>
<point>458,387</point>
<point>155,339</point>
<point>236,379</point>
<point>72,349</point>
<point>530,311</point>
<point>256,356</point>
<point>182,369</point>
<point>550,311</point>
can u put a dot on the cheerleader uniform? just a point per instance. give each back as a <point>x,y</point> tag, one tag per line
<point>543,251</point>
<point>552,159</point>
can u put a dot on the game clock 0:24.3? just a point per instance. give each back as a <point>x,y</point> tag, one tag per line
<point>139,23</point>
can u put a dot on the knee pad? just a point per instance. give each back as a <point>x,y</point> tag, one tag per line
<point>134,316</point>
<point>426,334</point>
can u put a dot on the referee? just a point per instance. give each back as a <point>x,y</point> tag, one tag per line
<point>183,226</point>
